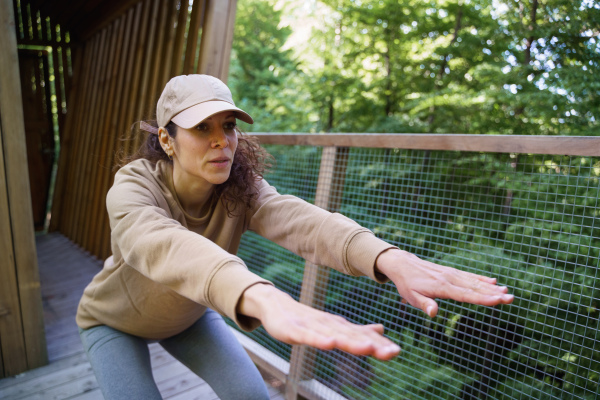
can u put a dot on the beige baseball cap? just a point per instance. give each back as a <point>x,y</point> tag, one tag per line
<point>188,100</point>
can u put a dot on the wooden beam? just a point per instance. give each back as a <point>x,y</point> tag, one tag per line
<point>196,20</point>
<point>18,193</point>
<point>217,38</point>
<point>12,345</point>
<point>328,196</point>
<point>558,145</point>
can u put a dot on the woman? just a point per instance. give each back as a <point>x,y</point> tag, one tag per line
<point>177,215</point>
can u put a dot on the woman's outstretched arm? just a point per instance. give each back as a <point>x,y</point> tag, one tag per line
<point>294,323</point>
<point>419,283</point>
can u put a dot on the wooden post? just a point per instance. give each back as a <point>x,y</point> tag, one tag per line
<point>22,340</point>
<point>314,283</point>
<point>217,38</point>
<point>196,18</point>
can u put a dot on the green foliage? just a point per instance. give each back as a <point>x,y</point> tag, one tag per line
<point>485,67</point>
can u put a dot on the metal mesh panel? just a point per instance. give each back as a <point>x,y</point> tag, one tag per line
<point>529,220</point>
<point>295,172</point>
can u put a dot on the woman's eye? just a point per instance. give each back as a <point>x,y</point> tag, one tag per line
<point>202,127</point>
<point>230,125</point>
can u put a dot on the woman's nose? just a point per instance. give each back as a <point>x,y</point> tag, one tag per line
<point>219,140</point>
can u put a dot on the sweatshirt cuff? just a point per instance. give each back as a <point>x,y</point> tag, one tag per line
<point>226,289</point>
<point>363,250</point>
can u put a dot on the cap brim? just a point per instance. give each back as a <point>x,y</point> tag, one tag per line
<point>192,116</point>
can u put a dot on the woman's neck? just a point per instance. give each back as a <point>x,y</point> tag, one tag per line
<point>193,194</point>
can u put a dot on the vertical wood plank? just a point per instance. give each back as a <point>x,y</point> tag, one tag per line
<point>18,192</point>
<point>17,21</point>
<point>154,82</point>
<point>27,22</point>
<point>94,118</point>
<point>34,23</point>
<point>58,76</point>
<point>196,19</point>
<point>169,48</point>
<point>68,153</point>
<point>151,37</point>
<point>177,59</point>
<point>129,96</point>
<point>78,138</point>
<point>12,344</point>
<point>217,38</point>
<point>67,56</point>
<point>330,184</point>
<point>89,151</point>
<point>109,134</point>
<point>98,144</point>
<point>58,212</point>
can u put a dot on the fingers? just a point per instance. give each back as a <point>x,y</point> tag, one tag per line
<point>378,328</point>
<point>326,332</point>
<point>294,323</point>
<point>488,300</point>
<point>426,304</point>
<point>365,340</point>
<point>431,308</point>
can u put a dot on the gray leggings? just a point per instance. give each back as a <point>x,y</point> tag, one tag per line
<point>121,361</point>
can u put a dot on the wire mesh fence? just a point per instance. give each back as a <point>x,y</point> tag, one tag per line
<point>529,220</point>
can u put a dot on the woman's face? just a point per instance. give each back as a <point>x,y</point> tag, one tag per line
<point>204,154</point>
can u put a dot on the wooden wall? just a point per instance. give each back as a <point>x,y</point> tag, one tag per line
<point>22,342</point>
<point>119,72</point>
<point>95,85</point>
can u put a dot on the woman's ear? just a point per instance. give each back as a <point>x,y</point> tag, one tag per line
<point>165,141</point>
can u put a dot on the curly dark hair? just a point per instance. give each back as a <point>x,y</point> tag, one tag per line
<point>250,163</point>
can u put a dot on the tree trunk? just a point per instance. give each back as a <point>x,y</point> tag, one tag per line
<point>457,27</point>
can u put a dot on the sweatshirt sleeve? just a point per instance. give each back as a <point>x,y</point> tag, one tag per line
<point>317,235</point>
<point>159,247</point>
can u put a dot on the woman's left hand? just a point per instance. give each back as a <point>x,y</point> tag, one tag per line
<point>419,282</point>
<point>294,323</point>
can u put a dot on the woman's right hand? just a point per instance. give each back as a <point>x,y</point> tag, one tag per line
<point>294,323</point>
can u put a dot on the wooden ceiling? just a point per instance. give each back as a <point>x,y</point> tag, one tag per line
<point>81,18</point>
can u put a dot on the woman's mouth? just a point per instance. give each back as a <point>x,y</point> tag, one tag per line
<point>219,162</point>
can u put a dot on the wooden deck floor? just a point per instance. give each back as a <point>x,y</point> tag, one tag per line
<point>64,271</point>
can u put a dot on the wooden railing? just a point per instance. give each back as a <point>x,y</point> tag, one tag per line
<point>297,373</point>
<point>559,145</point>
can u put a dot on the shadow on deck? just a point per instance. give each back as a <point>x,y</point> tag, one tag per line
<point>64,271</point>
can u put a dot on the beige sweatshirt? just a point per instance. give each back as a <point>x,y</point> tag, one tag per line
<point>168,266</point>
